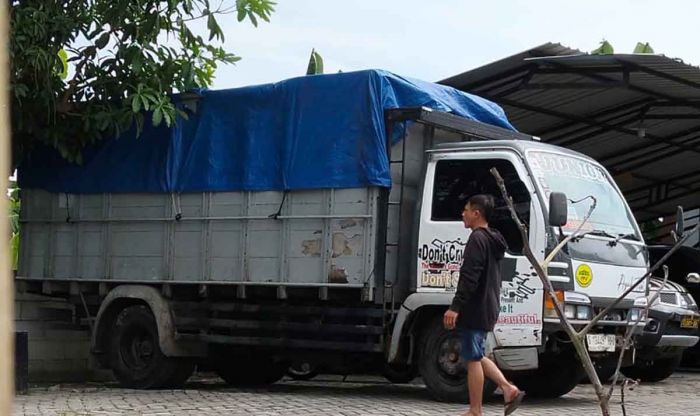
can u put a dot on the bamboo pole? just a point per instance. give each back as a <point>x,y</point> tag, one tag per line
<point>7,290</point>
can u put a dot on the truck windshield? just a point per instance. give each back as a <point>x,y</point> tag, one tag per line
<point>578,178</point>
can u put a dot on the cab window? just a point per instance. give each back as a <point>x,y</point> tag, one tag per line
<point>457,180</point>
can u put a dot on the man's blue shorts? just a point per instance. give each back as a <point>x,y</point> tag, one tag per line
<point>473,344</point>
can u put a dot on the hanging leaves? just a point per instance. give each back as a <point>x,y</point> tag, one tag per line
<point>83,71</point>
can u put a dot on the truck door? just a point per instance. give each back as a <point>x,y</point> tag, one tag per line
<point>450,180</point>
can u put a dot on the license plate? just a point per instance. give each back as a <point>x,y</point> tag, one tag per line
<point>601,342</point>
<point>690,322</point>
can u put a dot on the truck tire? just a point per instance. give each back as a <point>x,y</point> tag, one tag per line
<point>135,356</point>
<point>556,376</point>
<point>399,375</point>
<point>302,371</point>
<point>443,370</point>
<point>651,371</point>
<point>605,370</point>
<point>252,371</point>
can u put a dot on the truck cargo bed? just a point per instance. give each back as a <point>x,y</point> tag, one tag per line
<point>310,238</point>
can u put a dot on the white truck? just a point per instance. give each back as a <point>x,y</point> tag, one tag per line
<point>248,283</point>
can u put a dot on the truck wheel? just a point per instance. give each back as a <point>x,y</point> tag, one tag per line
<point>605,370</point>
<point>250,371</point>
<point>443,370</point>
<point>652,371</point>
<point>556,376</point>
<point>399,375</point>
<point>302,371</point>
<point>135,356</point>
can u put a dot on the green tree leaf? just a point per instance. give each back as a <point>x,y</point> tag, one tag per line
<point>136,103</point>
<point>102,41</point>
<point>157,116</point>
<point>63,57</point>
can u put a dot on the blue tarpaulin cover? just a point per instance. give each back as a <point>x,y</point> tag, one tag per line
<point>318,131</point>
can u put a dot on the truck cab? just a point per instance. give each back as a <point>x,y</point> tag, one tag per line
<point>528,341</point>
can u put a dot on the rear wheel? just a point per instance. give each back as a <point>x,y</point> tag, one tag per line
<point>653,370</point>
<point>135,356</point>
<point>556,375</point>
<point>442,368</point>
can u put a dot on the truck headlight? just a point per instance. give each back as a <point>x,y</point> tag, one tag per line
<point>583,312</point>
<point>570,311</point>
<point>576,305</point>
<point>634,314</point>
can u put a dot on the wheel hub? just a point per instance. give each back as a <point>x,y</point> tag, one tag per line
<point>137,349</point>
<point>449,361</point>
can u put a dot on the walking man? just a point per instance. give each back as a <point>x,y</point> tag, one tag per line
<point>476,305</point>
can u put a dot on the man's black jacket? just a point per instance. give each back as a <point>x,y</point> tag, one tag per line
<point>478,292</point>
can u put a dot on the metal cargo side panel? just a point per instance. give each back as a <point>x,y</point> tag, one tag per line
<point>189,238</point>
<point>138,237</point>
<point>226,241</point>
<point>91,236</point>
<point>304,237</point>
<point>263,239</point>
<point>315,237</point>
<point>35,237</point>
<point>350,232</point>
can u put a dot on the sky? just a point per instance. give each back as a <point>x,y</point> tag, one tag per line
<point>435,39</point>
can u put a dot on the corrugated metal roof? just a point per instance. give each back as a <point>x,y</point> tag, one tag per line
<point>638,114</point>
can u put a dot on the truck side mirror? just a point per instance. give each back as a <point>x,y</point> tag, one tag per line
<point>680,224</point>
<point>692,278</point>
<point>558,209</point>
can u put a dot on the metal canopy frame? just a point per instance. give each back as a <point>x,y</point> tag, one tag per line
<point>638,114</point>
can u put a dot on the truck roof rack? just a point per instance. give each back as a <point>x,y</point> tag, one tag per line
<point>458,124</point>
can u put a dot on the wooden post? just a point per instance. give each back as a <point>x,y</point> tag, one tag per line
<point>7,287</point>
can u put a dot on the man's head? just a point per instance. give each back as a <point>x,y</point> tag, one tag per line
<point>477,211</point>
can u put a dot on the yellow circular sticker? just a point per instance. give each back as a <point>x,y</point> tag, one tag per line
<point>584,275</point>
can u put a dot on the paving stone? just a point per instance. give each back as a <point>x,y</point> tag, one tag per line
<point>330,396</point>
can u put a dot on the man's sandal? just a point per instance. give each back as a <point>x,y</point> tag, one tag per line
<point>512,405</point>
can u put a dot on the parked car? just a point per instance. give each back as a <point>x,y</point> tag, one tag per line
<point>684,267</point>
<point>672,329</point>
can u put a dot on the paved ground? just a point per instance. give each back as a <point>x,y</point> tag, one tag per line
<point>330,396</point>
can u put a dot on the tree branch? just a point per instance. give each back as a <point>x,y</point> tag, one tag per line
<point>632,328</point>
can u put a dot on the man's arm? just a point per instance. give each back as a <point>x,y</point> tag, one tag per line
<point>471,270</point>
